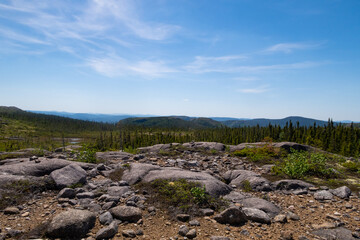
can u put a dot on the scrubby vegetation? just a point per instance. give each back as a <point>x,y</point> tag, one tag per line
<point>86,154</point>
<point>260,154</point>
<point>184,196</point>
<point>300,164</point>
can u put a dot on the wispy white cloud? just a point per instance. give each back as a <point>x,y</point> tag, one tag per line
<point>256,90</point>
<point>203,64</point>
<point>230,64</point>
<point>290,47</point>
<point>94,21</point>
<point>17,37</point>
<point>117,66</point>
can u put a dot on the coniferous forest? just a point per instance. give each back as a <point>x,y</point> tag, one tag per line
<point>341,139</point>
<point>20,129</point>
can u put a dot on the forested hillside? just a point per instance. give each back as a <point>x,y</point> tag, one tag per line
<point>170,122</point>
<point>21,129</point>
<point>340,139</point>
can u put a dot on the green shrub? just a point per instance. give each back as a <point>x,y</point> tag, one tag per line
<point>256,154</point>
<point>352,166</point>
<point>246,186</point>
<point>131,150</point>
<point>87,155</point>
<point>299,164</point>
<point>183,195</point>
<point>168,153</point>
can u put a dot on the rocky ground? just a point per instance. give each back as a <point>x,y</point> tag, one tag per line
<point>72,200</point>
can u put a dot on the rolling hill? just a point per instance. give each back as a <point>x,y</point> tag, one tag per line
<point>171,122</point>
<point>262,122</point>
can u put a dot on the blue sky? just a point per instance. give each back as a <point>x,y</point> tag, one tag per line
<point>234,58</point>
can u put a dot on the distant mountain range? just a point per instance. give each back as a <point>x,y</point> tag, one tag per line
<point>107,118</point>
<point>186,121</point>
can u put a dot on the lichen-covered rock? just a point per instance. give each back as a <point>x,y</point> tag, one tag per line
<point>271,209</point>
<point>323,195</point>
<point>232,216</point>
<point>341,192</point>
<point>69,175</point>
<point>333,234</point>
<point>256,215</point>
<point>71,224</point>
<point>126,213</point>
<point>108,232</point>
<point>240,177</point>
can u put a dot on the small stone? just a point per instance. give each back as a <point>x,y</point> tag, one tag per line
<point>245,232</point>
<point>219,238</point>
<point>11,210</point>
<point>151,209</point>
<point>323,195</point>
<point>85,195</point>
<point>332,217</point>
<point>108,232</point>
<point>286,235</point>
<point>194,223</point>
<point>191,234</point>
<point>183,217</point>
<point>292,216</point>
<point>129,233</point>
<point>337,214</point>
<point>67,193</point>
<point>303,238</point>
<point>207,212</point>
<point>139,232</point>
<point>25,214</point>
<point>183,230</point>
<point>106,218</point>
<point>281,218</point>
<point>325,225</point>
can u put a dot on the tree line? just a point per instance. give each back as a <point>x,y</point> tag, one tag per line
<point>335,138</point>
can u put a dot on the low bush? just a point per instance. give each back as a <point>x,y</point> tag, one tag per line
<point>246,186</point>
<point>87,154</point>
<point>299,164</point>
<point>181,196</point>
<point>256,154</point>
<point>352,166</point>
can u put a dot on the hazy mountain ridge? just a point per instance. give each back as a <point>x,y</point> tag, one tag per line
<point>171,122</point>
<point>262,122</point>
<point>178,121</point>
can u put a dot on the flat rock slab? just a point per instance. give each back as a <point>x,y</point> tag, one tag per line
<point>72,224</point>
<point>240,177</point>
<point>236,197</point>
<point>118,191</point>
<point>69,175</point>
<point>148,173</point>
<point>113,156</point>
<point>271,209</point>
<point>334,234</point>
<point>156,148</point>
<point>206,146</point>
<point>290,185</point>
<point>44,167</point>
